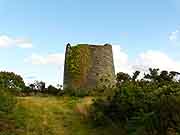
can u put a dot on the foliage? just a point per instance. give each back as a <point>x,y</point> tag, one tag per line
<point>135,75</point>
<point>7,108</point>
<point>40,85</point>
<point>7,102</point>
<point>53,90</point>
<point>150,106</point>
<point>39,88</point>
<point>11,80</point>
<point>122,77</point>
<point>78,62</point>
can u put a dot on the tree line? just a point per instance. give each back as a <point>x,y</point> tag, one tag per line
<point>15,83</point>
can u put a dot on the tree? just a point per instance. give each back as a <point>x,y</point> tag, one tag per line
<point>121,77</point>
<point>59,86</point>
<point>40,85</point>
<point>135,75</point>
<point>52,90</point>
<point>32,86</point>
<point>165,76</point>
<point>173,74</point>
<point>11,80</point>
<point>153,74</point>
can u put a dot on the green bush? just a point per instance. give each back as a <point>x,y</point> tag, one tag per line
<point>7,102</point>
<point>142,107</point>
<point>52,90</point>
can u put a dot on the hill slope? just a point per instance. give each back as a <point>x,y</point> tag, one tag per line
<point>54,116</point>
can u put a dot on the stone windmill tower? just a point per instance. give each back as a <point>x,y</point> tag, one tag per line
<point>86,66</point>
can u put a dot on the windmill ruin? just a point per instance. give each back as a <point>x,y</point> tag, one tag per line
<point>87,65</point>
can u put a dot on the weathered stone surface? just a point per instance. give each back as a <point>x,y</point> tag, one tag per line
<point>87,65</point>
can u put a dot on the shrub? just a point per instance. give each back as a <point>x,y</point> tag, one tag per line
<point>7,102</point>
<point>52,90</point>
<point>144,111</point>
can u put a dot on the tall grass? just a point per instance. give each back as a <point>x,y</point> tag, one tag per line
<point>7,102</point>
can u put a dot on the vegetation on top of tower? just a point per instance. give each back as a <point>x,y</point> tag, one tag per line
<point>78,63</point>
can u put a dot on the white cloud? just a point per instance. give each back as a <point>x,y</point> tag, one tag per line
<point>157,59</point>
<point>25,45</point>
<point>121,61</point>
<point>143,61</point>
<point>54,59</point>
<point>174,36</point>
<point>6,41</point>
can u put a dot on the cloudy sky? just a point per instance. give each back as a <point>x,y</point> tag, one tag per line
<point>33,34</point>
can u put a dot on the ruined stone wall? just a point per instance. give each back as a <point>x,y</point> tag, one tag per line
<point>86,66</point>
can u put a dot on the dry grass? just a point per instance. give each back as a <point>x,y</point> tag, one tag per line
<point>53,116</point>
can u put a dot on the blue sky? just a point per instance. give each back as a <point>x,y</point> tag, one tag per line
<point>33,33</point>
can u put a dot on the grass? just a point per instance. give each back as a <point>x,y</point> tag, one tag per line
<point>50,116</point>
